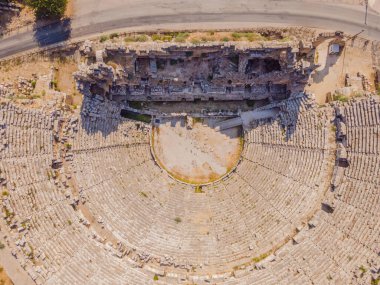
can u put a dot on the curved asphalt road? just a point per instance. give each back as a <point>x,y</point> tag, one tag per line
<point>95,16</point>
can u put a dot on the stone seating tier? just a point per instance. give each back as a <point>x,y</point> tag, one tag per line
<point>110,215</point>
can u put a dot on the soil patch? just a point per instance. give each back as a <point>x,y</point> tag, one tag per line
<point>196,154</point>
<point>4,278</point>
<point>355,57</point>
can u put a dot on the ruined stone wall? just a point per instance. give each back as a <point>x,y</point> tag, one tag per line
<point>192,73</point>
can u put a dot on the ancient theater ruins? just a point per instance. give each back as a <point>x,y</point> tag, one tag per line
<point>190,144</point>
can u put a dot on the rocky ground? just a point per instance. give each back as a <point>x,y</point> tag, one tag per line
<point>354,60</point>
<point>14,22</point>
<point>38,80</point>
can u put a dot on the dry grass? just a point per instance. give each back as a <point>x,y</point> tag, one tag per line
<point>70,9</point>
<point>198,37</point>
<point>4,278</point>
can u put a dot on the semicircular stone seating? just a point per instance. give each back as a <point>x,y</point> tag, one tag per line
<point>85,202</point>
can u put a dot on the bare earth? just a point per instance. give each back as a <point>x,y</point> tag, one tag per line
<point>32,68</point>
<point>197,155</point>
<point>356,57</point>
<point>4,279</point>
<point>10,21</point>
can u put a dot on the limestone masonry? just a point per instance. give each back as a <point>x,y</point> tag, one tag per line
<point>85,202</point>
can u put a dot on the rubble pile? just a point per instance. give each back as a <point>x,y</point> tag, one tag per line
<point>25,86</point>
<point>6,90</point>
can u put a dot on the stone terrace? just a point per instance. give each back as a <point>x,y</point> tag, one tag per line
<point>85,203</point>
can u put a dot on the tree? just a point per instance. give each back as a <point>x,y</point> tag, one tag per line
<point>48,8</point>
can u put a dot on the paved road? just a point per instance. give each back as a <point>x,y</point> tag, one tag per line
<point>95,16</point>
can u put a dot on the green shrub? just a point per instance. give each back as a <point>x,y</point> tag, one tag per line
<point>198,189</point>
<point>178,220</point>
<point>285,39</point>
<point>136,38</point>
<point>68,146</point>
<point>141,38</point>
<point>114,35</point>
<point>253,37</point>
<point>156,37</point>
<point>103,38</point>
<point>357,94</point>
<point>129,39</point>
<point>195,41</point>
<point>236,36</point>
<point>162,37</point>
<point>48,8</point>
<point>155,277</point>
<point>340,97</point>
<point>181,37</point>
<point>259,258</point>
<point>248,36</point>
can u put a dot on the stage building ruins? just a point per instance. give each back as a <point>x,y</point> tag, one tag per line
<point>202,73</point>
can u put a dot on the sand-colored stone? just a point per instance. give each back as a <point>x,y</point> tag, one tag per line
<point>197,155</point>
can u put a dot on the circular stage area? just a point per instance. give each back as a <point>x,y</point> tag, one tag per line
<point>193,151</point>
